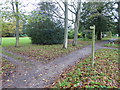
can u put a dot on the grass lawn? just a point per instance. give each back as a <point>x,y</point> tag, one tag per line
<point>116,44</point>
<point>112,45</point>
<point>10,41</point>
<point>105,74</point>
<point>106,38</point>
<point>6,68</point>
<point>43,53</point>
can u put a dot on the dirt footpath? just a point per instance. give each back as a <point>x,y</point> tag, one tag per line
<point>41,75</point>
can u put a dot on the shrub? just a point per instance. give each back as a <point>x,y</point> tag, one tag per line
<point>46,32</point>
<point>71,34</point>
<point>80,35</point>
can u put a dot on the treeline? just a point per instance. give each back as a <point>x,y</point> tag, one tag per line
<point>52,21</point>
<point>8,29</point>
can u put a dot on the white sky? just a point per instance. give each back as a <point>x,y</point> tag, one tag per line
<point>31,7</point>
<point>31,4</point>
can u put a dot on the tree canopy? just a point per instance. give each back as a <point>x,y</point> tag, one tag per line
<point>100,14</point>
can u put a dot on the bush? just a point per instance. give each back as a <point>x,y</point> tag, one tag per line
<point>71,34</point>
<point>46,32</point>
<point>80,35</point>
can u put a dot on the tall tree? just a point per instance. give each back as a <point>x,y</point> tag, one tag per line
<point>66,25</point>
<point>75,9</point>
<point>16,15</point>
<point>46,9</point>
<point>99,14</point>
<point>13,10</point>
<point>76,24</point>
<point>50,10</point>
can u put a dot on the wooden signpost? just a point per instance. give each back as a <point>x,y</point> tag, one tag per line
<point>93,44</point>
<point>0,31</point>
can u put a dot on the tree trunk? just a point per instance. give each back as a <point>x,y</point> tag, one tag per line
<point>99,36</point>
<point>66,25</point>
<point>119,18</point>
<point>76,25</point>
<point>75,33</point>
<point>17,24</point>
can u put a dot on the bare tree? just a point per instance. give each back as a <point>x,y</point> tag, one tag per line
<point>66,25</point>
<point>76,24</point>
<point>16,15</point>
<point>76,12</point>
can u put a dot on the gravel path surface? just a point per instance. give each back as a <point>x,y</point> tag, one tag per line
<point>41,75</point>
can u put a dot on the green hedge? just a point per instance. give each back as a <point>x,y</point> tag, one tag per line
<point>46,32</point>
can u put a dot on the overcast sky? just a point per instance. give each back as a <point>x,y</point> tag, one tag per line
<point>32,4</point>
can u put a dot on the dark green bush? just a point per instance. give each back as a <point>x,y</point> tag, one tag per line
<point>46,32</point>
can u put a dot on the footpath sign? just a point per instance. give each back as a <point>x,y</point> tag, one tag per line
<point>93,44</point>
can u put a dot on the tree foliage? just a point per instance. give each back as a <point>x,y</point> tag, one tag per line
<point>8,29</point>
<point>46,32</point>
<point>100,14</point>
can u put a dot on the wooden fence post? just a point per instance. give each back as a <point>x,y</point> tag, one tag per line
<point>93,44</point>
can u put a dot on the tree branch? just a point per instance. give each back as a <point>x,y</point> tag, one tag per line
<point>56,13</point>
<point>12,3</point>
<point>73,6</point>
<point>71,11</point>
<point>59,5</point>
<point>63,18</point>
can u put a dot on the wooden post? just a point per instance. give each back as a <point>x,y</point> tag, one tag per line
<point>0,47</point>
<point>93,44</point>
<point>0,30</point>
